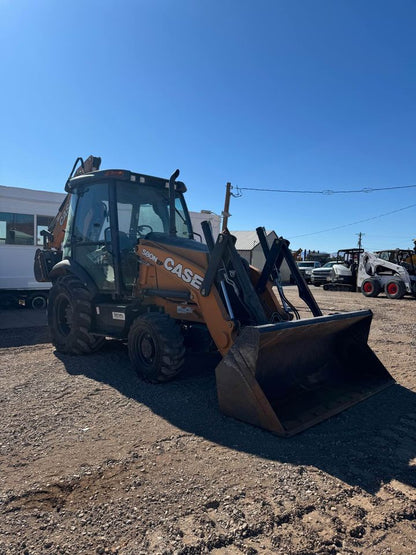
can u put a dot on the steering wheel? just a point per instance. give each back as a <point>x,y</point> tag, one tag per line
<point>141,228</point>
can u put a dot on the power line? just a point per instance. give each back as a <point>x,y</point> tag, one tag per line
<point>325,191</point>
<point>353,223</point>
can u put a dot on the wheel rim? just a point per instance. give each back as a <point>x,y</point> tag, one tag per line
<point>392,288</point>
<point>63,315</point>
<point>38,302</point>
<point>368,287</point>
<point>147,349</point>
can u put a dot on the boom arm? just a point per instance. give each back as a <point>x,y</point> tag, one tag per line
<point>54,237</point>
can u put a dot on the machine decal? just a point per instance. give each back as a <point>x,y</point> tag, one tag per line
<point>118,315</point>
<point>184,309</point>
<point>186,274</point>
<point>150,255</point>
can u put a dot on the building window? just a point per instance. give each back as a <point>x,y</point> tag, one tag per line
<point>16,229</point>
<point>42,224</point>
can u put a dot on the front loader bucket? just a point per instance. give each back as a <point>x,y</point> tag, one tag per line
<point>289,376</point>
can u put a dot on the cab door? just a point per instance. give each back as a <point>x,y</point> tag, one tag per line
<point>90,235</point>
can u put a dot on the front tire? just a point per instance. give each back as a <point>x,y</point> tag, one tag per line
<point>69,317</point>
<point>370,287</point>
<point>156,347</point>
<point>395,289</point>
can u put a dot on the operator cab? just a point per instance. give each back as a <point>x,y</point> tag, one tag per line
<point>110,211</point>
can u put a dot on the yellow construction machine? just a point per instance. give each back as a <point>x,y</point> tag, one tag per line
<point>124,263</point>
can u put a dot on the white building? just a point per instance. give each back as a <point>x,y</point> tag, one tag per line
<point>205,215</point>
<point>249,247</point>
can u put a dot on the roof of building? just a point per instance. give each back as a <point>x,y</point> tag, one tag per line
<point>247,240</point>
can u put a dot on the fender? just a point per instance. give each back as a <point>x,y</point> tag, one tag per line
<point>69,266</point>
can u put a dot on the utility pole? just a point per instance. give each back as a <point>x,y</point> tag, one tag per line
<point>360,235</point>
<point>226,213</point>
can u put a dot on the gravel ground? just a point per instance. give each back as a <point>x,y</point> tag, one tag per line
<point>94,461</point>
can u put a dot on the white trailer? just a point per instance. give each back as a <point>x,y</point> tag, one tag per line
<point>24,213</point>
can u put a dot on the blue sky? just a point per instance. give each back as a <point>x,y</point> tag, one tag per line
<point>294,95</point>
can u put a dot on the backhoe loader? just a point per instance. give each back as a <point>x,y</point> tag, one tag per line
<point>124,264</point>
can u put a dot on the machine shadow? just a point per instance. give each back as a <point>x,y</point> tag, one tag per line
<point>367,445</point>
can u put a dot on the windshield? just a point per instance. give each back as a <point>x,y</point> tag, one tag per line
<point>143,209</point>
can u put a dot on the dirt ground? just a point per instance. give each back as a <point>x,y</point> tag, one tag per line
<point>92,460</point>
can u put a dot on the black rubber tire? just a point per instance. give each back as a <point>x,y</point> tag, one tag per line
<point>69,317</point>
<point>395,289</point>
<point>370,287</point>
<point>156,347</point>
<point>37,301</point>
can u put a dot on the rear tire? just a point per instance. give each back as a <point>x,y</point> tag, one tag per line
<point>70,316</point>
<point>156,347</point>
<point>395,289</point>
<point>370,287</point>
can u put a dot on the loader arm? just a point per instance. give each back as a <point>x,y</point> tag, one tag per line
<point>371,265</point>
<point>211,286</point>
